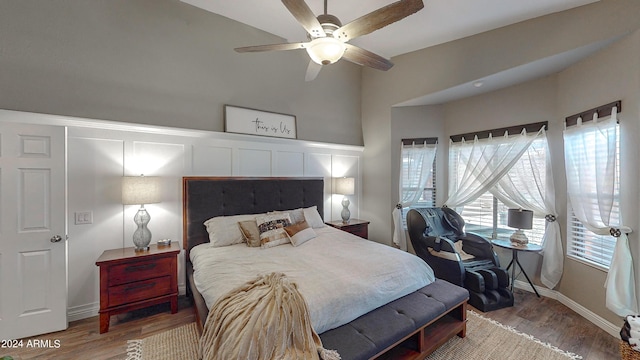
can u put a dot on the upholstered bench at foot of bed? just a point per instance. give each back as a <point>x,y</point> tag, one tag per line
<point>411,326</point>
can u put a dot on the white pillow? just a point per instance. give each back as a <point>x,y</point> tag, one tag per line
<point>313,218</point>
<point>224,230</point>
<point>296,215</point>
<point>271,229</point>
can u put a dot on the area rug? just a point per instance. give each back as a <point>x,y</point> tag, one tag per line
<point>486,340</point>
<point>178,343</point>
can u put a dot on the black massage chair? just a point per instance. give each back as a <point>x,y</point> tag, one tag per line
<point>437,234</point>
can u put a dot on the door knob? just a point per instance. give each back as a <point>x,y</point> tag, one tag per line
<point>56,238</point>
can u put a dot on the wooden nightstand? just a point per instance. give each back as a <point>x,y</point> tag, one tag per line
<point>355,226</point>
<point>131,280</point>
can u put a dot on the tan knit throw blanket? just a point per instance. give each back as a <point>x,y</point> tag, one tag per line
<point>267,318</point>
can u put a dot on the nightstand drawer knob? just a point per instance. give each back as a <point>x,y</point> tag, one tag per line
<point>140,267</point>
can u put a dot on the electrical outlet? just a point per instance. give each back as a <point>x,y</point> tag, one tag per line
<point>84,217</point>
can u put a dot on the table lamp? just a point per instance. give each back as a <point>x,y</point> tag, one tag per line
<point>141,190</point>
<point>344,186</point>
<point>519,219</point>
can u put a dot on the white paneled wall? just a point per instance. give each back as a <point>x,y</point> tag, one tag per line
<point>100,153</point>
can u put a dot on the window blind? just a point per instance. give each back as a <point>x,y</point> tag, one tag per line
<point>583,244</point>
<point>428,196</point>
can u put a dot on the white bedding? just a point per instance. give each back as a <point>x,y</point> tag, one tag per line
<point>341,276</point>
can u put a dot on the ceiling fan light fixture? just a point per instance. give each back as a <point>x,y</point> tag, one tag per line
<point>325,50</point>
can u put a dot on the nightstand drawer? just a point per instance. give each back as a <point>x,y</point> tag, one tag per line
<point>141,290</point>
<point>360,230</point>
<point>139,270</point>
<point>354,226</point>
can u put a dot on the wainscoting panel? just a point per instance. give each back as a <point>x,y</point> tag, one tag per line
<point>101,152</point>
<point>212,160</point>
<point>289,163</point>
<point>318,165</point>
<point>155,158</point>
<point>254,162</point>
<point>94,169</point>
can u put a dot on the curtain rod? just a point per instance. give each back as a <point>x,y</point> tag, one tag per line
<point>512,130</point>
<point>429,140</point>
<point>603,111</point>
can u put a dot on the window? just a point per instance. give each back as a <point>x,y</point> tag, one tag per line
<point>410,181</point>
<point>480,214</point>
<point>487,215</point>
<point>584,245</point>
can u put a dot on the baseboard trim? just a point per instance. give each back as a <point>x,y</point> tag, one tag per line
<point>80,312</point>
<point>611,329</point>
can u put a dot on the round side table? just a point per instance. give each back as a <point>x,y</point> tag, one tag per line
<point>514,258</point>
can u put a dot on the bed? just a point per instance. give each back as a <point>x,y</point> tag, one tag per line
<point>410,323</point>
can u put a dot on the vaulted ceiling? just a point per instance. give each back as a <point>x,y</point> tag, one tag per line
<point>439,22</point>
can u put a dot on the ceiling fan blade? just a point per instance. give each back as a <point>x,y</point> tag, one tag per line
<point>378,19</point>
<point>312,70</point>
<point>272,47</point>
<point>364,57</point>
<point>301,11</point>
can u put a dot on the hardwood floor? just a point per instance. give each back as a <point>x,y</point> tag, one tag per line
<point>83,341</point>
<point>544,318</point>
<point>550,321</point>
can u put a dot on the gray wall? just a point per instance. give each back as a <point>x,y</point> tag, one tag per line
<point>591,83</point>
<point>162,62</point>
<point>460,62</point>
<point>606,76</point>
<point>609,75</point>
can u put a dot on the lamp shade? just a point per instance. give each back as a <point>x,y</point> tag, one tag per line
<point>139,190</point>
<point>520,219</point>
<point>344,186</point>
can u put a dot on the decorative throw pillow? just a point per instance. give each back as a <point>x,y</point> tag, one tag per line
<point>312,217</point>
<point>224,230</point>
<point>250,232</point>
<point>271,229</point>
<point>296,215</point>
<point>300,233</point>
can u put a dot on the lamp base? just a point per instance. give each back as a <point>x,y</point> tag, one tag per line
<point>518,238</point>
<point>142,235</point>
<point>345,214</point>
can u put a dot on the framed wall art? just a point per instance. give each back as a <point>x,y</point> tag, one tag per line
<point>256,122</point>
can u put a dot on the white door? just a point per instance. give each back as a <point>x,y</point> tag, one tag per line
<point>33,246</point>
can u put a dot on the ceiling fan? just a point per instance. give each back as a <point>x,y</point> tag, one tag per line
<point>328,38</point>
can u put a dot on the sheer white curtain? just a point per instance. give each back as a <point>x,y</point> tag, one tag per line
<point>590,162</point>
<point>529,185</point>
<point>474,168</point>
<point>414,172</point>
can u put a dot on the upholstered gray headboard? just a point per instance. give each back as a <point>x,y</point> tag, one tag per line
<point>207,197</point>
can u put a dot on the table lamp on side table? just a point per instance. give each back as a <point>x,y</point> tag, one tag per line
<point>140,190</point>
<point>519,219</point>
<point>344,186</point>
